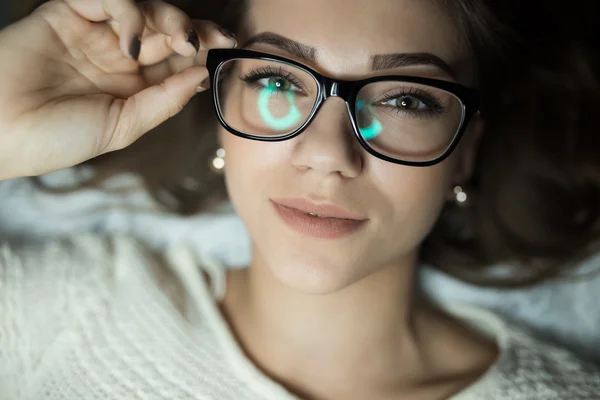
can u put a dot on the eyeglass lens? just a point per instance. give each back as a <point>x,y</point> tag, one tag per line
<point>402,120</point>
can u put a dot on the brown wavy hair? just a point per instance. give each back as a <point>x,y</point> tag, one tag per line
<point>536,188</point>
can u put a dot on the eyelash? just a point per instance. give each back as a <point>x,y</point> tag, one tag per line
<point>269,72</point>
<point>433,104</point>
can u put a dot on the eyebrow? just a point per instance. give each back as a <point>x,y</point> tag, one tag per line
<point>379,62</point>
<point>390,61</point>
<point>303,51</point>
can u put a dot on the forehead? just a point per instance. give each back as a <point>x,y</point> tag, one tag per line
<point>348,33</point>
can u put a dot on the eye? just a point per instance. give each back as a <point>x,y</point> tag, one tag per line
<point>407,103</point>
<point>277,83</point>
<point>276,80</point>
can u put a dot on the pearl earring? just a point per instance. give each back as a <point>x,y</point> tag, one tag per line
<point>460,196</point>
<point>218,162</point>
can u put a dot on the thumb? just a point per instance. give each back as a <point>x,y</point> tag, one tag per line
<point>152,106</point>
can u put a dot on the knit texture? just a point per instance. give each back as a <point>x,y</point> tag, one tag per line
<point>105,318</point>
<point>564,311</point>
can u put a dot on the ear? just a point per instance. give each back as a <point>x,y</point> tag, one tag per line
<point>468,150</point>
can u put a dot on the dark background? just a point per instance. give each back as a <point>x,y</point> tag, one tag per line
<point>14,9</point>
<point>5,12</point>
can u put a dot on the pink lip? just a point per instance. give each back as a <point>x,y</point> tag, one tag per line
<point>331,221</point>
<point>322,210</point>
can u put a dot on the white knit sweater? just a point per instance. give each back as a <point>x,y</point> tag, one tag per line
<point>104,318</point>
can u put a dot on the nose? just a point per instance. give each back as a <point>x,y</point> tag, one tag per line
<point>327,146</point>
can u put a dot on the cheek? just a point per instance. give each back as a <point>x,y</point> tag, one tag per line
<point>419,188</point>
<point>251,168</point>
<point>239,153</point>
<point>413,199</point>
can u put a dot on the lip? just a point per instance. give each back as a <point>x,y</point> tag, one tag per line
<point>331,222</point>
<point>322,210</point>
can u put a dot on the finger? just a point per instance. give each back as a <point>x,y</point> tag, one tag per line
<point>158,48</point>
<point>124,12</point>
<point>157,73</point>
<point>168,31</point>
<point>172,65</point>
<point>214,36</point>
<point>174,24</point>
<point>152,106</point>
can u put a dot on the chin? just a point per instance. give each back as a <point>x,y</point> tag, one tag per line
<point>311,274</point>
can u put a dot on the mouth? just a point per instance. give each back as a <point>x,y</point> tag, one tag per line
<point>325,221</point>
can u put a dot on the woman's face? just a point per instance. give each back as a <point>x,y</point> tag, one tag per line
<point>398,205</point>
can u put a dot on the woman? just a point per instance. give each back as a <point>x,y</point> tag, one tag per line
<point>338,197</point>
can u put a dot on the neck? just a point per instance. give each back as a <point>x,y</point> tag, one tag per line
<point>363,333</point>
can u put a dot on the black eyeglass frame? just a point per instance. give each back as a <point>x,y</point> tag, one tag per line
<point>348,91</point>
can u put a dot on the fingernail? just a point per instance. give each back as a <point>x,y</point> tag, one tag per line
<point>192,37</point>
<point>135,47</point>
<point>203,86</point>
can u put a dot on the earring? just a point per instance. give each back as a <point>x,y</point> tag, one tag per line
<point>461,198</point>
<point>218,162</point>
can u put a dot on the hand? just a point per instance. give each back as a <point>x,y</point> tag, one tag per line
<point>75,83</point>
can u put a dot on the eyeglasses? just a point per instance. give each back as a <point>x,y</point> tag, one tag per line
<point>401,119</point>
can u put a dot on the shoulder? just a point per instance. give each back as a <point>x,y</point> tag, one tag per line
<point>57,295</point>
<point>562,311</point>
<point>545,370</point>
<point>67,274</point>
<point>70,257</point>
<point>528,367</point>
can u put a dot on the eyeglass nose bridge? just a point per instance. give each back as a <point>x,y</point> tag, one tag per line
<point>336,88</point>
<point>333,88</point>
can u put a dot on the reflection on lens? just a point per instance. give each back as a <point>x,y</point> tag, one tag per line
<point>283,124</point>
<point>408,121</point>
<point>265,98</point>
<point>374,128</point>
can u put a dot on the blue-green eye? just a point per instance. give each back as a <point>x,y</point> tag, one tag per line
<point>277,84</point>
<point>276,80</point>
